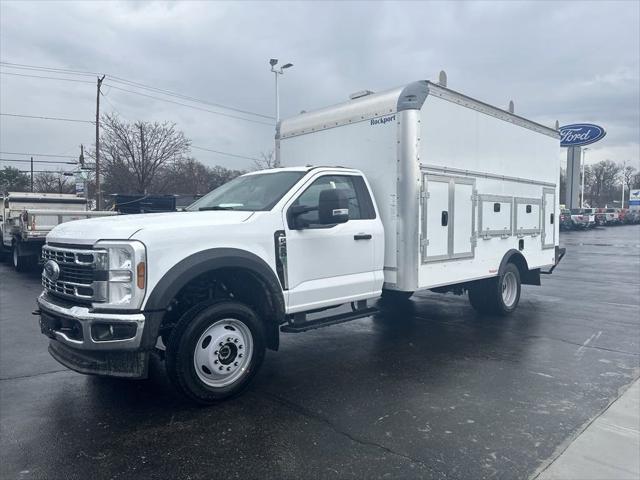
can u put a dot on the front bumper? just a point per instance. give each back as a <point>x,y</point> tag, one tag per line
<point>74,346</point>
<point>76,326</point>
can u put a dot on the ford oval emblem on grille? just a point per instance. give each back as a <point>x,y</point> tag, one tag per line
<point>51,270</point>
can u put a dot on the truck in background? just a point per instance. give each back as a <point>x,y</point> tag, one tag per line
<point>26,218</point>
<point>415,188</point>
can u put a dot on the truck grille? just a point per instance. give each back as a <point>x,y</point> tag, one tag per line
<point>77,275</point>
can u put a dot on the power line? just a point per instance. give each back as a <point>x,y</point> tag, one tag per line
<point>39,154</point>
<point>47,118</point>
<point>54,69</point>
<point>125,81</point>
<point>114,78</point>
<point>225,153</point>
<point>190,106</point>
<point>148,96</point>
<point>48,78</point>
<point>36,161</point>
<point>46,171</point>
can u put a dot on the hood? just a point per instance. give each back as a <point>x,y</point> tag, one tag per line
<point>122,227</point>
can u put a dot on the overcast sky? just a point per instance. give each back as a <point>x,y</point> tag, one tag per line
<point>573,61</point>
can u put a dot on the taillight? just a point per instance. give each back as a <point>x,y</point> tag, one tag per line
<point>33,222</point>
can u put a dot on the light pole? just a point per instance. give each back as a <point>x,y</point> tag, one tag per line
<point>584,157</point>
<point>624,165</point>
<point>278,71</point>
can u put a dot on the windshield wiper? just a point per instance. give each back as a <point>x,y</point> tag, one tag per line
<point>215,207</point>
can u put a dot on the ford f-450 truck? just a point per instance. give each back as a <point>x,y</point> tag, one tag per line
<point>431,190</point>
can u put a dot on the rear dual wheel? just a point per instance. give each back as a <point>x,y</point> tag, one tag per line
<point>214,351</point>
<point>499,295</point>
<point>22,262</point>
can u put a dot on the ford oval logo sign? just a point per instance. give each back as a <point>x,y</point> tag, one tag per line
<point>580,134</point>
<point>52,270</point>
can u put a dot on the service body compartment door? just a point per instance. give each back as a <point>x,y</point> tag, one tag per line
<point>435,219</point>
<point>448,218</point>
<point>463,222</point>
<point>548,218</point>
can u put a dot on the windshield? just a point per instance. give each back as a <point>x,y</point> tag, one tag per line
<point>248,192</point>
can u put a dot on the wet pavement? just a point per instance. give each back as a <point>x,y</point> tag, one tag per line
<point>429,391</point>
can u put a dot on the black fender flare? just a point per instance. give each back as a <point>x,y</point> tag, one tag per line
<point>527,277</point>
<point>195,265</point>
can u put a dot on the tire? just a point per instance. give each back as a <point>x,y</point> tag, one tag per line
<point>498,296</point>
<point>18,261</point>
<point>205,350</point>
<point>395,296</point>
<point>22,263</point>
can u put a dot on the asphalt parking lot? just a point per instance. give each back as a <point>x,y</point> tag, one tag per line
<point>432,391</point>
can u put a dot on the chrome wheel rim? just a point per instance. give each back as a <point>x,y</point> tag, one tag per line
<point>509,289</point>
<point>223,353</point>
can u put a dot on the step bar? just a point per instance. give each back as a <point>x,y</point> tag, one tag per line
<point>297,324</point>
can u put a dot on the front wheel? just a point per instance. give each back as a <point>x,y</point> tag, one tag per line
<point>499,295</point>
<point>214,351</point>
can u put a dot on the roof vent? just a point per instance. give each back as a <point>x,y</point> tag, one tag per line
<point>442,78</point>
<point>511,107</point>
<point>360,94</point>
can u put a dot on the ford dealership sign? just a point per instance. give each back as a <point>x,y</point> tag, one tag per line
<point>580,134</point>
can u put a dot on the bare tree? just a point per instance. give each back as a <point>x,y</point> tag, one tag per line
<point>219,175</point>
<point>133,154</point>
<point>266,161</point>
<point>629,174</point>
<point>187,176</point>
<point>50,182</point>
<point>13,180</point>
<point>604,182</point>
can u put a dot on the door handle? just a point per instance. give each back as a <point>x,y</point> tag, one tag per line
<point>444,218</point>
<point>362,236</point>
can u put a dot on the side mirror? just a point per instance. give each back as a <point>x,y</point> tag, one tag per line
<point>333,206</point>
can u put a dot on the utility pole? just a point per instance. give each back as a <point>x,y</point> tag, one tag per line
<point>142,154</point>
<point>31,174</point>
<point>84,176</point>
<point>98,188</point>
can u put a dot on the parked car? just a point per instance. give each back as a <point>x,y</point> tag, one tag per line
<point>631,217</point>
<point>612,216</point>
<point>599,217</point>
<point>565,219</point>
<point>582,220</point>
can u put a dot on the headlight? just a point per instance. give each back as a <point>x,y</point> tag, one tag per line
<point>125,265</point>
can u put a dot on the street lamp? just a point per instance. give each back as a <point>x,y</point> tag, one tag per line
<point>584,156</point>
<point>624,165</point>
<point>278,71</point>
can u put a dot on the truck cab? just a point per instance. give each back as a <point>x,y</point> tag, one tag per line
<point>265,248</point>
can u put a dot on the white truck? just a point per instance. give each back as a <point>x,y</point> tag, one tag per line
<point>416,188</point>
<point>26,218</point>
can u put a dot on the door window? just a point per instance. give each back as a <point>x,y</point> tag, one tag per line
<point>311,197</point>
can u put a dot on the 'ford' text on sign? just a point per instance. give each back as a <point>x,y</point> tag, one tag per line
<point>579,134</point>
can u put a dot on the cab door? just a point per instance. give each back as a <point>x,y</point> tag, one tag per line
<point>332,264</point>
